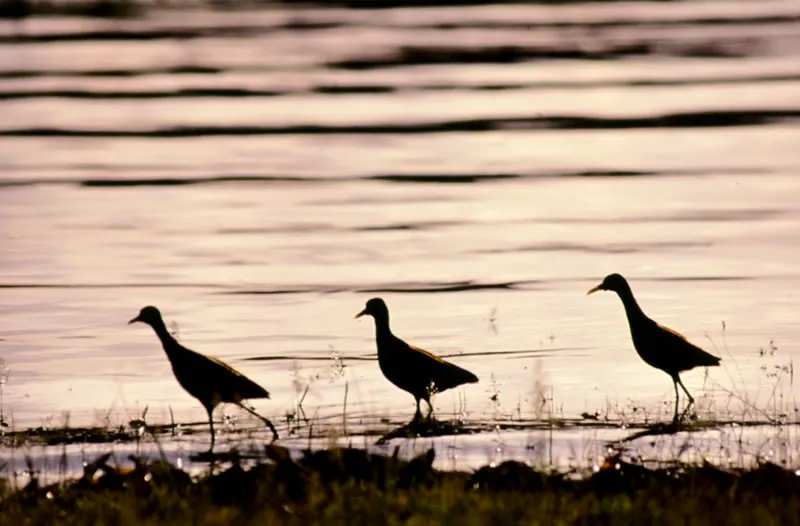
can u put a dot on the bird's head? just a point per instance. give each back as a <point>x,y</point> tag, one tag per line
<point>376,308</point>
<point>614,282</point>
<point>149,315</point>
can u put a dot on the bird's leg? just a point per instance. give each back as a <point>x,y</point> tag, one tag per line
<point>691,399</point>
<point>418,414</point>
<point>263,419</point>
<point>675,385</point>
<point>430,409</point>
<point>210,411</point>
<point>685,412</point>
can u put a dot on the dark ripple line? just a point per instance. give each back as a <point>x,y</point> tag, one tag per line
<point>278,292</point>
<point>372,89</point>
<point>456,286</point>
<point>676,120</point>
<point>398,288</point>
<point>615,248</point>
<point>422,225</point>
<point>187,33</point>
<point>373,357</point>
<point>520,353</point>
<point>432,178</point>
<point>766,19</point>
<point>370,358</point>
<point>246,31</point>
<point>442,178</point>
<point>144,94</point>
<point>512,54</point>
<point>175,70</point>
<point>174,181</point>
<point>107,285</point>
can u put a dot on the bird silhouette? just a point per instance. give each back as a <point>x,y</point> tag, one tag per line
<point>206,378</point>
<point>657,345</point>
<point>410,368</point>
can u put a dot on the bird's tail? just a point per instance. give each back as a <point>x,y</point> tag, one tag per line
<point>708,360</point>
<point>451,375</point>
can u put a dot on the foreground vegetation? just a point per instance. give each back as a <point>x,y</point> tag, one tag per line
<point>344,486</point>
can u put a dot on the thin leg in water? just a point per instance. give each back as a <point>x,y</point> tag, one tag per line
<point>675,385</point>
<point>210,411</point>
<point>691,399</point>
<point>263,419</point>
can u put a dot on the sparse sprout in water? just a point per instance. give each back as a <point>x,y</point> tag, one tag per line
<point>770,350</point>
<point>337,365</point>
<point>139,425</point>
<point>229,421</point>
<point>5,372</point>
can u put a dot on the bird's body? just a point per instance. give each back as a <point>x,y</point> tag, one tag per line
<point>193,370</point>
<point>206,378</point>
<point>410,368</point>
<point>657,345</point>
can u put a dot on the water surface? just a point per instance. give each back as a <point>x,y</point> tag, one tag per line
<point>259,175</point>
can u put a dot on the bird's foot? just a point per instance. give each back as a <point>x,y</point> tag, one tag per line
<point>274,434</point>
<point>679,419</point>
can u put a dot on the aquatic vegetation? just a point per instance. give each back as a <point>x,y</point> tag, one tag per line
<point>346,486</point>
<point>5,373</point>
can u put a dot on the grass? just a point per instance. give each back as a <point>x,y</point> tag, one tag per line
<point>350,486</point>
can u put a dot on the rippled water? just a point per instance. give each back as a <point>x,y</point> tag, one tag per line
<point>259,175</point>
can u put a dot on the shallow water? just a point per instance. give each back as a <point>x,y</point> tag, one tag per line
<point>260,175</point>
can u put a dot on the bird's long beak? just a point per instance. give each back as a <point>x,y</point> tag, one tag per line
<point>362,313</point>
<point>134,320</point>
<point>595,289</point>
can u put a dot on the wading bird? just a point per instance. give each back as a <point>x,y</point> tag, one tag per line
<point>208,379</point>
<point>657,345</point>
<point>411,368</point>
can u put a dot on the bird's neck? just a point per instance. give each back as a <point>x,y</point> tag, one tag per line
<point>632,308</point>
<point>169,343</point>
<point>382,330</point>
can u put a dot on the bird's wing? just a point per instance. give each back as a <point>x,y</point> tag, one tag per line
<point>670,331</point>
<point>443,373</point>
<point>215,371</point>
<point>426,354</point>
<point>690,354</point>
